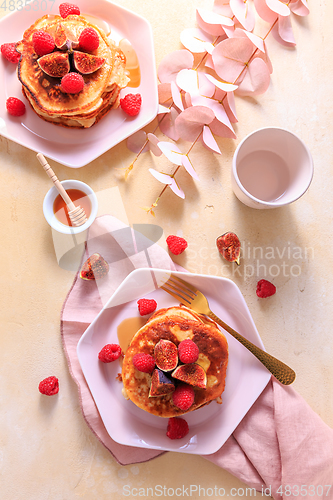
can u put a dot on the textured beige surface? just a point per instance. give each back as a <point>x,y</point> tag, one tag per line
<point>46,449</point>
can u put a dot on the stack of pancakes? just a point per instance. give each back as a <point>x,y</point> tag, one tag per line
<point>101,89</point>
<point>176,324</point>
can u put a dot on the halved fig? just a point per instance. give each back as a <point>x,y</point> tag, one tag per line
<point>229,247</point>
<point>161,384</point>
<point>87,63</point>
<point>60,37</point>
<point>55,64</point>
<point>94,268</point>
<point>191,374</point>
<point>166,355</point>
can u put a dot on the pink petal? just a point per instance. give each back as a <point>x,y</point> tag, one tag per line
<point>176,189</point>
<point>189,167</point>
<point>196,40</point>
<point>209,140</point>
<point>300,8</point>
<point>264,12</point>
<point>153,144</point>
<point>190,122</point>
<point>256,80</point>
<point>280,8</point>
<point>176,96</point>
<point>172,63</point>
<point>171,151</point>
<point>164,93</point>
<point>164,178</point>
<point>167,125</point>
<point>243,13</point>
<point>136,141</point>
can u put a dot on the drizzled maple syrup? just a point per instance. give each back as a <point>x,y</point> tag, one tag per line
<point>127,329</point>
<point>132,67</point>
<point>60,208</point>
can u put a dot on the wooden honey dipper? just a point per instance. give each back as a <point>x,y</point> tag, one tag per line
<point>76,214</point>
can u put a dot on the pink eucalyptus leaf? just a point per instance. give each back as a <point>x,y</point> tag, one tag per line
<point>279,7</point>
<point>300,8</point>
<point>136,141</point>
<point>162,110</point>
<point>221,130</point>
<point>190,122</point>
<point>256,80</point>
<point>189,167</point>
<point>243,13</point>
<point>176,189</point>
<point>264,11</point>
<point>164,178</point>
<point>171,151</point>
<point>172,63</point>
<point>222,7</point>
<point>164,93</point>
<point>153,144</point>
<point>257,41</point>
<point>230,56</point>
<point>167,124</point>
<point>209,62</point>
<point>176,96</point>
<point>286,31</point>
<point>209,140</point>
<point>227,87</point>
<point>196,40</point>
<point>228,100</point>
<point>188,80</point>
<point>206,86</point>
<point>211,23</point>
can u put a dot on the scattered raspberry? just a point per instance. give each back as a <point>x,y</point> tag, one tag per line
<point>68,9</point>
<point>72,83</point>
<point>43,43</point>
<point>109,353</point>
<point>49,386</point>
<point>10,53</point>
<point>144,362</point>
<point>131,104</point>
<point>15,106</point>
<point>188,351</point>
<point>183,397</point>
<point>177,428</point>
<point>89,40</point>
<point>146,306</point>
<point>265,289</point>
<point>176,244</point>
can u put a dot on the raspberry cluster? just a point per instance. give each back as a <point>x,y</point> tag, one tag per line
<point>177,428</point>
<point>131,104</point>
<point>109,353</point>
<point>176,244</point>
<point>146,306</point>
<point>89,40</point>
<point>144,362</point>
<point>10,53</point>
<point>49,386</point>
<point>68,9</point>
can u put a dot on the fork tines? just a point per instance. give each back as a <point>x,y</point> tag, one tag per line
<point>179,289</point>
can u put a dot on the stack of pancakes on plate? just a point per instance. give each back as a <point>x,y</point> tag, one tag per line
<point>101,89</point>
<point>176,324</point>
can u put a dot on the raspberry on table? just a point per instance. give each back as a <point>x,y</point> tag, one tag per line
<point>68,9</point>
<point>89,40</point>
<point>188,351</point>
<point>15,106</point>
<point>131,104</point>
<point>265,289</point>
<point>10,53</point>
<point>176,244</point>
<point>72,83</point>
<point>177,428</point>
<point>144,362</point>
<point>109,353</point>
<point>49,386</point>
<point>183,397</point>
<point>42,42</point>
<point>146,306</point>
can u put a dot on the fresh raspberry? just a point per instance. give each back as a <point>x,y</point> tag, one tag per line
<point>68,9</point>
<point>131,104</point>
<point>15,106</point>
<point>177,428</point>
<point>188,351</point>
<point>72,83</point>
<point>89,40</point>
<point>176,244</point>
<point>109,353</point>
<point>265,289</point>
<point>183,397</point>
<point>43,43</point>
<point>144,362</point>
<point>146,306</point>
<point>49,386</point>
<point>10,53</point>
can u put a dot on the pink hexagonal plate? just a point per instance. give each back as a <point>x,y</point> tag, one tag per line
<point>211,425</point>
<point>76,148</point>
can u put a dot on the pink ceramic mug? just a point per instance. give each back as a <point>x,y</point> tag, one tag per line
<point>272,167</point>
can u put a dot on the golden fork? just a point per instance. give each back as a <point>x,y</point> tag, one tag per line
<point>189,296</point>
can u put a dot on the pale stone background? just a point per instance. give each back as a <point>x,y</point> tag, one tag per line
<point>46,448</point>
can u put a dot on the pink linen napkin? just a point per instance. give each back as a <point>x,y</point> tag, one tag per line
<point>281,441</point>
